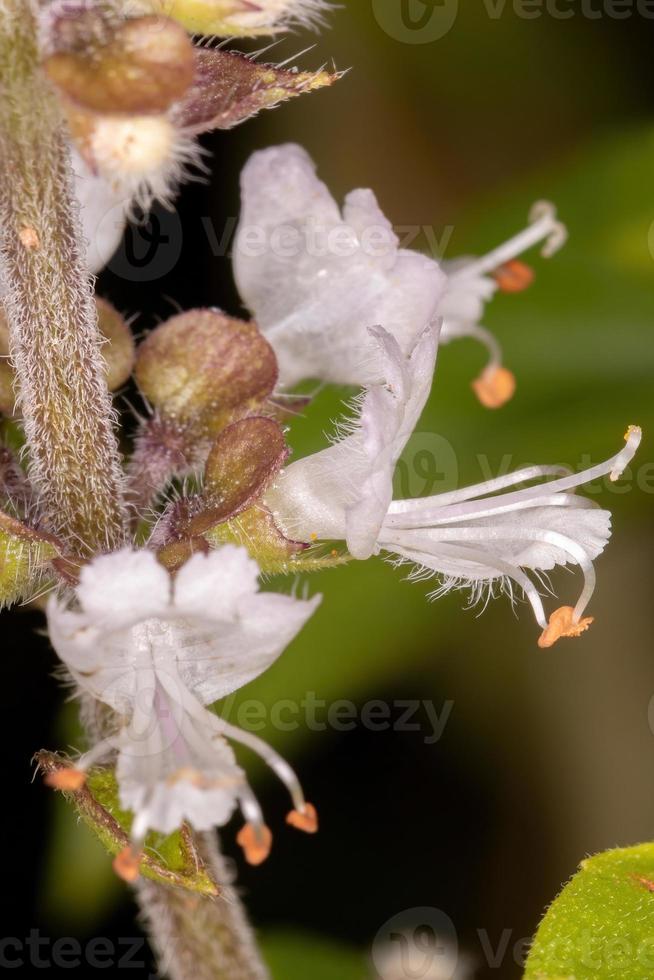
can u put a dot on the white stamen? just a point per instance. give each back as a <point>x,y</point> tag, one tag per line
<point>543,226</point>
<point>278,765</point>
<point>456,330</point>
<point>250,807</point>
<point>435,512</point>
<point>437,517</point>
<point>478,489</point>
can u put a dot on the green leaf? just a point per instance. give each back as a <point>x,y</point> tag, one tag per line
<point>171,859</point>
<point>602,924</point>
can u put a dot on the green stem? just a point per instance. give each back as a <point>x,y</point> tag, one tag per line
<point>54,338</point>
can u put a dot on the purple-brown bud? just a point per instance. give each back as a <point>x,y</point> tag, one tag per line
<point>203,369</point>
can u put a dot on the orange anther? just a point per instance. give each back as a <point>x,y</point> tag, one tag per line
<point>68,780</point>
<point>494,387</point>
<point>306,820</point>
<point>513,276</point>
<point>256,841</point>
<point>562,624</point>
<point>126,864</point>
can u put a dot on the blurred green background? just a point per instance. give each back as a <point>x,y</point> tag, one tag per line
<point>546,756</point>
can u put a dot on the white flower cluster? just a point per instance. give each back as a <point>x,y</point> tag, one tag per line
<point>158,650</point>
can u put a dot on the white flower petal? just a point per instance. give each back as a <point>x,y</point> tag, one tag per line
<point>345,491</point>
<point>173,765</point>
<point>124,587</point>
<point>526,539</point>
<point>219,632</point>
<point>232,654</point>
<point>315,282</point>
<point>103,210</point>
<point>211,586</point>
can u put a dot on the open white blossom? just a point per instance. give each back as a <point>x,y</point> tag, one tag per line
<point>316,279</point>
<point>157,651</point>
<point>475,537</point>
<point>473,282</point>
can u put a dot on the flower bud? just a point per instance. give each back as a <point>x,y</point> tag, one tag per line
<point>135,66</point>
<point>142,157</point>
<point>119,351</point>
<point>202,368</point>
<point>24,556</point>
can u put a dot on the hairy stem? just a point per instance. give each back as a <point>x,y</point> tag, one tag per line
<point>200,938</point>
<point>55,343</point>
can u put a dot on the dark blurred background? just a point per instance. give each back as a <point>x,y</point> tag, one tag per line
<point>544,756</point>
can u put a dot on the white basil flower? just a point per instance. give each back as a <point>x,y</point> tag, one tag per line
<point>158,650</point>
<point>316,279</point>
<point>478,537</point>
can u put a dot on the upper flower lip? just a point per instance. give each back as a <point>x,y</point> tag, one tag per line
<point>211,622</point>
<point>316,279</point>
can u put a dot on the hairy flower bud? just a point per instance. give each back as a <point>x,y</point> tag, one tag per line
<point>143,157</point>
<point>137,66</point>
<point>24,555</point>
<point>119,351</point>
<point>202,367</point>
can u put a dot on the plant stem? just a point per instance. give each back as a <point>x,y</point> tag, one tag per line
<point>200,938</point>
<point>54,338</point>
<point>68,419</point>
